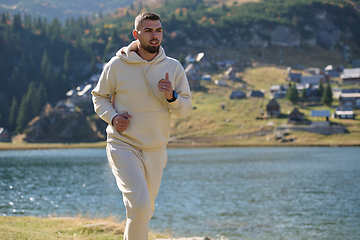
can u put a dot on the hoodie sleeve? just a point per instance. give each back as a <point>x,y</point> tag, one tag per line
<point>181,107</point>
<point>101,94</point>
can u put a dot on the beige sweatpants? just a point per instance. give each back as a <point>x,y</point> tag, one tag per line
<point>138,175</point>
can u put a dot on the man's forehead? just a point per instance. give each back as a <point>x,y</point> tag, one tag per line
<point>153,24</point>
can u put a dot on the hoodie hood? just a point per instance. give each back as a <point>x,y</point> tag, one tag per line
<point>129,55</point>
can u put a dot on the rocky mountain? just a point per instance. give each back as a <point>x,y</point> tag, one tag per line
<point>62,9</point>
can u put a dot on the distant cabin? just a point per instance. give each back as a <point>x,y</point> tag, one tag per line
<point>237,95</point>
<point>312,80</point>
<point>350,76</point>
<point>273,109</point>
<point>322,115</point>
<point>256,94</point>
<point>346,113</point>
<point>295,116</point>
<point>350,100</point>
<point>294,77</point>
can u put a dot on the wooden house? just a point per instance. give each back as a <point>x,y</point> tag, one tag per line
<point>351,76</point>
<point>345,113</point>
<point>349,100</point>
<point>322,115</point>
<point>273,108</point>
<point>255,93</point>
<point>294,77</point>
<point>237,95</point>
<point>295,116</point>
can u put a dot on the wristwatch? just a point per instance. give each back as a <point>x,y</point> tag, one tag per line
<point>175,96</point>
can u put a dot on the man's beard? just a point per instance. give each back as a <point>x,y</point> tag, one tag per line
<point>149,48</point>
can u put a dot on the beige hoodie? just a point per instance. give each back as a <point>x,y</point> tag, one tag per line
<point>134,84</point>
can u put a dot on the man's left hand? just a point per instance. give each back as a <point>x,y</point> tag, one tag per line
<point>164,86</point>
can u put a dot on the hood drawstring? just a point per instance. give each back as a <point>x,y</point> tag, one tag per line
<point>147,81</point>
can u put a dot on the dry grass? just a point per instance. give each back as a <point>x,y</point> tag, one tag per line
<point>23,145</point>
<point>63,228</point>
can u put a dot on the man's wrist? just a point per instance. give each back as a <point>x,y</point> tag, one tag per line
<point>173,99</point>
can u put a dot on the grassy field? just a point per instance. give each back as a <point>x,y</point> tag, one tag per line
<point>218,120</point>
<point>63,228</point>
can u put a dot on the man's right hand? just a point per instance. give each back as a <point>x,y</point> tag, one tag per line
<point>121,121</point>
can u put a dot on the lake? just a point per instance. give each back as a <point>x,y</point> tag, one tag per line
<point>225,193</point>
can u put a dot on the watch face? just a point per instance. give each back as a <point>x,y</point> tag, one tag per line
<point>175,94</point>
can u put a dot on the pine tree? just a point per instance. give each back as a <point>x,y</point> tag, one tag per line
<point>327,97</point>
<point>16,24</point>
<point>92,68</point>
<point>303,94</point>
<point>23,114</point>
<point>292,94</point>
<point>42,96</point>
<point>320,89</point>
<point>33,99</point>
<point>13,114</point>
<point>66,65</point>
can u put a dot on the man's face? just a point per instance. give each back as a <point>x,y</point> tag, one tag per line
<point>149,34</point>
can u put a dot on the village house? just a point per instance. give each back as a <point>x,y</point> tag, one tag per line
<point>221,83</point>
<point>4,135</point>
<point>349,100</point>
<point>278,91</point>
<point>320,115</point>
<point>344,113</point>
<point>312,80</point>
<point>330,72</point>
<point>311,92</point>
<point>80,94</point>
<point>350,76</point>
<point>273,109</point>
<point>230,74</point>
<point>294,77</point>
<point>237,95</point>
<point>295,117</point>
<point>255,93</point>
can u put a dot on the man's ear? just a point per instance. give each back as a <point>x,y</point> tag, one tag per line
<point>135,34</point>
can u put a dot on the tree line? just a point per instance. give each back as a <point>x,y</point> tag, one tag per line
<point>41,60</point>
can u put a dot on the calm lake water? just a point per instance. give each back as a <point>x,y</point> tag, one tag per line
<point>227,193</point>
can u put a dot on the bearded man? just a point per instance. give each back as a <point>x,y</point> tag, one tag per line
<point>136,92</point>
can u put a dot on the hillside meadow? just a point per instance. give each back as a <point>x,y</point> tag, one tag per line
<point>217,120</point>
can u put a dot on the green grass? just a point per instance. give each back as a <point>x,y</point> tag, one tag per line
<point>63,228</point>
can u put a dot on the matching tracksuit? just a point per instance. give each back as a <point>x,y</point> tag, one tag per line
<point>137,156</point>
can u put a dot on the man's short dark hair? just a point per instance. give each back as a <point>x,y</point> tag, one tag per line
<point>145,16</point>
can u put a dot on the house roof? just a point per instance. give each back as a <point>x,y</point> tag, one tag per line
<point>350,73</point>
<point>350,95</point>
<point>345,112</point>
<point>311,79</point>
<point>295,75</point>
<point>273,102</point>
<point>320,113</point>
<point>295,111</point>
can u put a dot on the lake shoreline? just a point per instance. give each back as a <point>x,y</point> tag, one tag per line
<point>27,146</point>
